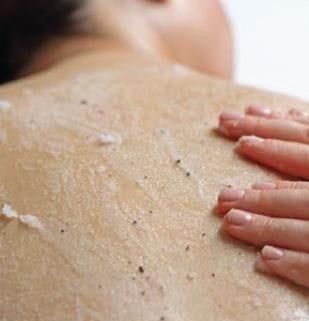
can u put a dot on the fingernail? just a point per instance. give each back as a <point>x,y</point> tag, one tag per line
<point>271,253</point>
<point>251,139</point>
<point>231,194</point>
<point>238,218</point>
<point>230,115</point>
<point>264,185</point>
<point>258,110</point>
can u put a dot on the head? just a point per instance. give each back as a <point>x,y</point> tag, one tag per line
<point>196,33</point>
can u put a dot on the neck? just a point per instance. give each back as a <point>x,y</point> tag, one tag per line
<point>59,49</point>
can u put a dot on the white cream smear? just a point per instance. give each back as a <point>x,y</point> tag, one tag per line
<point>109,138</point>
<point>181,69</point>
<point>29,220</point>
<point>9,212</point>
<point>5,105</point>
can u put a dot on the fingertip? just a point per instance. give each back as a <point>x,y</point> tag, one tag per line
<point>238,218</point>
<point>229,128</point>
<point>288,264</point>
<point>271,253</point>
<point>231,194</point>
<point>270,258</point>
<point>227,115</point>
<point>223,208</point>
<point>257,110</point>
<point>248,144</point>
<point>229,227</point>
<point>223,130</point>
<point>250,140</point>
<point>233,230</point>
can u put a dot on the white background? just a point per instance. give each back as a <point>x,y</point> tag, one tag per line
<point>272,44</point>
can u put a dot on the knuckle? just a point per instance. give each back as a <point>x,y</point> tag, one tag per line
<point>287,185</point>
<point>262,197</point>
<point>296,185</point>
<point>267,229</point>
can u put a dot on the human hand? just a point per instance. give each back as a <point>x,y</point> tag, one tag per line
<point>274,216</point>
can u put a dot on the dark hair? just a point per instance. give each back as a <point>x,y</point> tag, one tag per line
<point>26,24</point>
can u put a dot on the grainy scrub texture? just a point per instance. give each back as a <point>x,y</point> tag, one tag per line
<point>115,162</point>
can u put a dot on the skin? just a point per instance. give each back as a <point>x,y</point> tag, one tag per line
<point>194,33</point>
<point>108,210</point>
<point>198,35</point>
<point>272,215</point>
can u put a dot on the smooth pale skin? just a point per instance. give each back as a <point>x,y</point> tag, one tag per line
<point>272,214</point>
<point>196,33</point>
<point>129,232</point>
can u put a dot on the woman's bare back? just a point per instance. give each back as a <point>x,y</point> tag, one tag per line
<point>115,159</point>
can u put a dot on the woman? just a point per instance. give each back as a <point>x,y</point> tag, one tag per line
<point>195,34</point>
<point>109,170</point>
